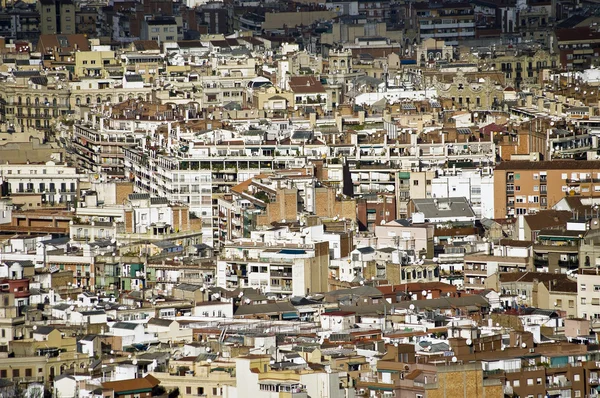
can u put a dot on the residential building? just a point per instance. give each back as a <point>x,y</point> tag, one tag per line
<point>523,187</point>
<point>57,183</point>
<point>57,17</point>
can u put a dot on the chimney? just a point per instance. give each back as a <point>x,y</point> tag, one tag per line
<point>540,104</point>
<point>529,101</point>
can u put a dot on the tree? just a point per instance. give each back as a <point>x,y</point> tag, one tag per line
<point>158,391</point>
<point>174,393</point>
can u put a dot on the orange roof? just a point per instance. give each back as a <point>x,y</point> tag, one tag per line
<point>243,186</point>
<point>413,375</point>
<point>147,383</point>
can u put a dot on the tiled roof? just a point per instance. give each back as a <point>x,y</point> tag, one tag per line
<point>145,384</point>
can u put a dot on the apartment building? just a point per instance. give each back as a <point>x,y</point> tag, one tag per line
<point>474,185</point>
<point>450,22</point>
<point>277,262</point>
<point>57,17</point>
<point>95,63</point>
<point>32,100</point>
<point>588,294</point>
<point>100,149</point>
<point>209,380</point>
<point>523,67</point>
<point>57,183</point>
<point>524,187</point>
<point>161,29</point>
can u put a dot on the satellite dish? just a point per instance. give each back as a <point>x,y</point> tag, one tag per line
<point>395,344</point>
<point>134,362</point>
<point>424,293</point>
<point>411,307</point>
<point>207,349</point>
<point>523,345</point>
<point>454,359</point>
<point>112,360</point>
<point>469,341</point>
<point>129,356</point>
<point>34,327</point>
<point>209,360</point>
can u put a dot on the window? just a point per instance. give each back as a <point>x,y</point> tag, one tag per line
<point>582,287</point>
<point>576,377</point>
<point>3,373</point>
<point>577,393</point>
<point>200,391</point>
<point>563,176</point>
<point>597,288</point>
<point>583,301</point>
<point>215,391</point>
<point>188,390</point>
<point>559,303</point>
<point>538,381</point>
<point>28,372</point>
<point>516,383</point>
<point>517,187</point>
<point>15,373</point>
<point>3,333</point>
<point>529,382</point>
<point>416,183</point>
<point>571,303</point>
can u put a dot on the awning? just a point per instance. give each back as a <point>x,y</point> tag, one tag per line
<point>289,315</point>
<point>381,388</point>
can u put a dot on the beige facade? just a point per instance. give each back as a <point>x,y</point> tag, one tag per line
<point>557,299</point>
<point>93,63</point>
<point>57,17</point>
<point>468,93</point>
<point>29,106</point>
<point>279,20</point>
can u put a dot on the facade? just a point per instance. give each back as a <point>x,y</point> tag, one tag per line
<point>534,186</point>
<point>57,17</point>
<point>57,183</point>
<point>448,23</point>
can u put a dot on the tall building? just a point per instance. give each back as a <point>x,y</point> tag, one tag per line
<point>57,17</point>
<point>524,187</point>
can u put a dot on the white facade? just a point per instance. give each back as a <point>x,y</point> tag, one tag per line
<point>471,184</point>
<point>337,321</point>
<point>58,183</point>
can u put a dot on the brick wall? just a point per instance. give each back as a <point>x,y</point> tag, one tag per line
<point>122,191</point>
<point>129,220</point>
<point>285,207</point>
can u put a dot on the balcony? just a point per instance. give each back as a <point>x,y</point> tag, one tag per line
<point>540,262</point>
<point>476,272</point>
<point>568,263</point>
<point>279,274</point>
